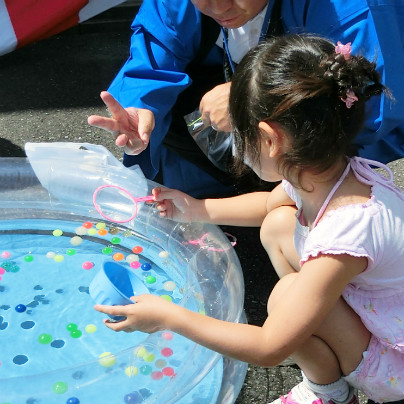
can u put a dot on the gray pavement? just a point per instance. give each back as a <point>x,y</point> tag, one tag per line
<point>47,91</point>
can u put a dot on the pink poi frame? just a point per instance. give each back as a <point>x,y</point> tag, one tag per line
<point>135,200</point>
<point>202,242</point>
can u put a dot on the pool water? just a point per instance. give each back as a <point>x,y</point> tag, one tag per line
<point>54,345</point>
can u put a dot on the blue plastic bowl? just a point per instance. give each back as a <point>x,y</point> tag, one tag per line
<point>114,285</point>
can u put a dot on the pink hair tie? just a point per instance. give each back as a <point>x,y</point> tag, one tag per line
<point>350,98</point>
<point>344,50</point>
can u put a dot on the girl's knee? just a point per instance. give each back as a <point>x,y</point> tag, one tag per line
<point>277,238</point>
<point>278,223</point>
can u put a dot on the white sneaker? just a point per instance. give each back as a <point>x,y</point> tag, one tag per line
<point>302,394</point>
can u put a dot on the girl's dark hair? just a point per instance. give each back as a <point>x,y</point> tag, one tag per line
<point>299,82</point>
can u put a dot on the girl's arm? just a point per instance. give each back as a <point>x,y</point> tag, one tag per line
<point>293,318</point>
<point>246,210</point>
<point>242,210</point>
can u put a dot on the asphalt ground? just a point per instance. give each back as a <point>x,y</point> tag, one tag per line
<point>47,91</point>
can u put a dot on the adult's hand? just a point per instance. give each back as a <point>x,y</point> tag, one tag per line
<point>214,107</point>
<point>131,126</point>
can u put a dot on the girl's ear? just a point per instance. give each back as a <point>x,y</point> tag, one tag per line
<point>273,138</point>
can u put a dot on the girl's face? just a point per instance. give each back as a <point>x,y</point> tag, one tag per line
<point>273,142</point>
<point>230,13</point>
<point>267,168</point>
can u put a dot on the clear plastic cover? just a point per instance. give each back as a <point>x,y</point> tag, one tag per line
<point>47,218</point>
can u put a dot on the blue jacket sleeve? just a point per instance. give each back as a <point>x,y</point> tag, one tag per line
<point>166,37</point>
<point>376,31</point>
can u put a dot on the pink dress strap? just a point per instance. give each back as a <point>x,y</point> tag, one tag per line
<point>363,170</point>
<point>331,194</point>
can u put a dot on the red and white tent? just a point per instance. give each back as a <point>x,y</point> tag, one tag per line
<point>26,21</point>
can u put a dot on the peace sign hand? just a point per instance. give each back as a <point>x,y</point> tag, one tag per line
<point>131,126</point>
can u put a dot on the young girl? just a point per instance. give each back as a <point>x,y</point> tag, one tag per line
<point>333,229</point>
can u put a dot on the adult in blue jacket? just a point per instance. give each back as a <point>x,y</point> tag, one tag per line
<point>176,65</point>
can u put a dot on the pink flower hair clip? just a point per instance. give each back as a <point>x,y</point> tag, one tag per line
<point>344,50</point>
<point>350,98</point>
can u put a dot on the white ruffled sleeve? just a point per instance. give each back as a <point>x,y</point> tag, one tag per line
<point>354,229</point>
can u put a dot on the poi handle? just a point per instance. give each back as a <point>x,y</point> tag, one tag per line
<point>203,244</point>
<point>135,200</point>
<point>144,198</point>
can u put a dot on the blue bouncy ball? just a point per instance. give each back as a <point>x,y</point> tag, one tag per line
<point>146,266</point>
<point>73,400</point>
<point>20,359</point>
<point>133,398</point>
<point>145,393</point>
<point>20,308</point>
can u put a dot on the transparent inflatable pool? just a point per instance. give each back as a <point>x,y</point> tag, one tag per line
<point>54,346</point>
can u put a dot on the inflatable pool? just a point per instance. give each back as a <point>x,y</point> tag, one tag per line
<point>67,212</point>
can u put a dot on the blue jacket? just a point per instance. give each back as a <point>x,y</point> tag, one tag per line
<point>166,38</point>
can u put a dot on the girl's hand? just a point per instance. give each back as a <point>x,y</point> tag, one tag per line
<point>149,314</point>
<point>176,205</point>
<point>131,126</point>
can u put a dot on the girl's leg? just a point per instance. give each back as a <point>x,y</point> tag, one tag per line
<point>336,348</point>
<point>344,336</point>
<point>277,238</point>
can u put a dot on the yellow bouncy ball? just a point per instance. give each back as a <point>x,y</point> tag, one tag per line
<point>107,360</point>
<point>58,258</point>
<point>140,352</point>
<point>92,232</point>
<point>131,371</point>
<point>149,357</point>
<point>91,328</point>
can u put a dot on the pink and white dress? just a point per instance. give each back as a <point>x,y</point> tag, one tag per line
<point>374,230</point>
